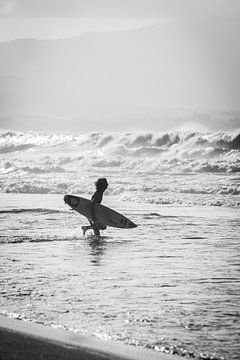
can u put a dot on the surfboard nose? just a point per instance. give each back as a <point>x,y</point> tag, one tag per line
<point>71,200</point>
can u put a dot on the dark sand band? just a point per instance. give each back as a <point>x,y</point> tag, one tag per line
<point>24,340</point>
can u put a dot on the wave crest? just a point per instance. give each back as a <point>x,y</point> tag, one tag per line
<point>61,163</point>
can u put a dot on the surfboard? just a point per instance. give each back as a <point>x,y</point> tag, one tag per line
<point>104,214</point>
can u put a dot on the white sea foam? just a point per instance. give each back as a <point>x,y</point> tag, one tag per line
<point>137,165</point>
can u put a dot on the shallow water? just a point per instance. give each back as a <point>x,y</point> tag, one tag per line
<point>171,284</point>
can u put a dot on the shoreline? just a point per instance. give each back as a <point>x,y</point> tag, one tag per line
<point>24,340</point>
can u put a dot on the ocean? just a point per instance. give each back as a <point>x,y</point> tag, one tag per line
<point>171,284</point>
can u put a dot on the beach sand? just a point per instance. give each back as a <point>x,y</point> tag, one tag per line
<point>23,340</point>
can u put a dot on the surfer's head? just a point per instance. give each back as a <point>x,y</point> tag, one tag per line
<point>101,184</point>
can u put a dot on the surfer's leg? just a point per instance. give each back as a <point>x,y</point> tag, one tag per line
<point>85,228</point>
<point>96,232</point>
<point>89,227</point>
<point>96,229</point>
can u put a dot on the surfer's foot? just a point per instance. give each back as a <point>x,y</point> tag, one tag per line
<point>84,229</point>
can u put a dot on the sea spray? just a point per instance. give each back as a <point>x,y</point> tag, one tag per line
<point>174,167</point>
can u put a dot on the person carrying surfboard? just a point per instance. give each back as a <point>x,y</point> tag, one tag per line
<point>101,185</point>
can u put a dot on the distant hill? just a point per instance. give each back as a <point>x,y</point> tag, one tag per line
<point>64,76</point>
<point>128,75</point>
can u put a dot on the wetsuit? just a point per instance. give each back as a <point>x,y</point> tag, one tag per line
<point>96,199</point>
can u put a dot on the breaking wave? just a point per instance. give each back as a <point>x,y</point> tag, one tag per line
<point>169,163</point>
<point>168,152</point>
<point>26,140</point>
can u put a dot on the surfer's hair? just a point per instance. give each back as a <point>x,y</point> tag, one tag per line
<point>101,183</point>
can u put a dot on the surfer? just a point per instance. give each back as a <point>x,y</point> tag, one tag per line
<point>101,185</point>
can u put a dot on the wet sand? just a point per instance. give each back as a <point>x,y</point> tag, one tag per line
<point>22,340</point>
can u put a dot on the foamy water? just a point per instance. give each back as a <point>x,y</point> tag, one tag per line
<point>171,168</point>
<point>171,284</point>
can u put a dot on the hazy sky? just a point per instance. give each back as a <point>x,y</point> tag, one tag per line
<point>62,18</point>
<point>201,69</point>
